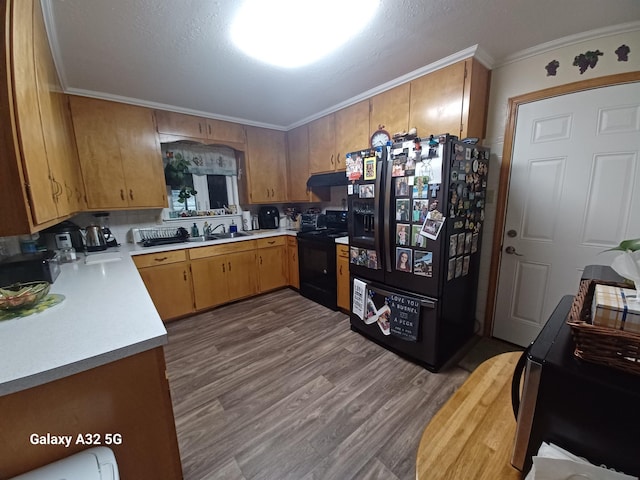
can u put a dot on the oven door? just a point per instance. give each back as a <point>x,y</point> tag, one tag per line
<point>317,264</point>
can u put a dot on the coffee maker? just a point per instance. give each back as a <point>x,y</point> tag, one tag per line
<point>269,218</point>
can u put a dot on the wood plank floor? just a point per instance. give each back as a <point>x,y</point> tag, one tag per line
<point>278,387</point>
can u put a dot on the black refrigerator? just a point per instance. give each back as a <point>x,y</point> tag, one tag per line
<point>416,210</point>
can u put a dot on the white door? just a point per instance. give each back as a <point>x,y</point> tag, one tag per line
<point>574,191</point>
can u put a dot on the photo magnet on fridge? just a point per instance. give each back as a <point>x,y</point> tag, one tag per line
<point>423,263</point>
<point>370,168</point>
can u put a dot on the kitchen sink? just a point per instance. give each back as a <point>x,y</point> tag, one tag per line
<point>220,236</point>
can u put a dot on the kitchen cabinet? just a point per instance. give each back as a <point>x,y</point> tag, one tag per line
<point>342,273</point>
<point>37,186</point>
<point>298,168</point>
<point>223,273</point>
<point>119,153</point>
<point>333,136</point>
<point>207,130</point>
<point>128,398</point>
<point>272,263</point>
<point>292,257</point>
<point>352,131</point>
<point>451,100</point>
<point>265,166</point>
<point>168,280</point>
<point>390,109</point>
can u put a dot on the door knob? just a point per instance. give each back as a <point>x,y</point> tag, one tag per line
<point>512,233</point>
<point>512,251</point>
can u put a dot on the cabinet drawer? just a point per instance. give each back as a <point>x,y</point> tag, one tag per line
<point>160,258</point>
<point>343,251</point>
<point>225,248</point>
<point>271,242</point>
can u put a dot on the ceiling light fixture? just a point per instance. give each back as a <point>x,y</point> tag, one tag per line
<point>294,33</point>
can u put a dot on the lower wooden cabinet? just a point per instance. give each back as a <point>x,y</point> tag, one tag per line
<point>223,273</point>
<point>168,280</point>
<point>292,254</point>
<point>181,282</point>
<point>342,273</point>
<point>272,263</point>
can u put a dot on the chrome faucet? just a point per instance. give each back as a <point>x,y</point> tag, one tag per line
<point>224,230</point>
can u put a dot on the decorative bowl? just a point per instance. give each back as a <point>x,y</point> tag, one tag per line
<point>23,295</point>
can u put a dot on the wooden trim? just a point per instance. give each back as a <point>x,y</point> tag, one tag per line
<point>505,169</point>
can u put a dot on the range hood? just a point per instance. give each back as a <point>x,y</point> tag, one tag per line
<point>335,179</point>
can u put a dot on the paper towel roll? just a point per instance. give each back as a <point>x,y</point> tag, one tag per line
<point>246,220</point>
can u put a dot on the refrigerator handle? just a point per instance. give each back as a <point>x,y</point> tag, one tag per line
<point>426,303</point>
<point>388,210</point>
<point>376,209</point>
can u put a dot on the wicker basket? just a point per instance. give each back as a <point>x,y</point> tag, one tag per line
<point>602,345</point>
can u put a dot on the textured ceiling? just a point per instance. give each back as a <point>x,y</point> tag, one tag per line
<point>177,54</point>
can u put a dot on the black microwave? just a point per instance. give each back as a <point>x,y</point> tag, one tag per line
<point>591,410</point>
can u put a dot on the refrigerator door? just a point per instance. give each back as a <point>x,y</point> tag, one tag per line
<point>404,323</point>
<point>414,196</point>
<point>365,214</point>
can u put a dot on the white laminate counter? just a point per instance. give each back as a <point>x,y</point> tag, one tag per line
<point>107,315</point>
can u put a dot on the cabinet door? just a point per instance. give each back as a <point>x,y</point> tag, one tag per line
<point>225,133</point>
<point>476,99</point>
<point>272,265</point>
<point>351,131</point>
<point>266,164</point>
<point>181,125</point>
<point>210,282</point>
<point>436,101</point>
<point>43,192</point>
<point>322,143</point>
<point>62,155</point>
<point>170,289</point>
<point>342,272</point>
<point>242,279</point>
<point>141,156</point>
<point>99,153</point>
<point>298,161</point>
<point>391,110</point>
<point>292,254</point>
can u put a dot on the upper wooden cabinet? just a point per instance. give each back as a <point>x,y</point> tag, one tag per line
<point>333,136</point>
<point>265,165</point>
<point>451,100</point>
<point>208,130</point>
<point>37,185</point>
<point>352,131</point>
<point>298,168</point>
<point>119,154</point>
<point>391,110</point>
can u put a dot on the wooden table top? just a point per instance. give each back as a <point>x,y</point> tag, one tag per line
<point>472,435</point>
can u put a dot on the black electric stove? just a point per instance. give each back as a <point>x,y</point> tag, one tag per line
<point>317,259</point>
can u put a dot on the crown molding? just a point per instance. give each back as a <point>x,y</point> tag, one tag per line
<point>170,108</point>
<point>432,67</point>
<point>568,41</point>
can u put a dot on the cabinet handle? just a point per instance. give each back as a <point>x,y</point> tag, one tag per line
<point>160,259</point>
<point>338,159</point>
<point>267,193</point>
<point>271,242</point>
<point>260,259</point>
<point>273,193</point>
<point>58,188</point>
<point>340,270</point>
<point>122,194</point>
<point>294,257</point>
<point>223,268</point>
<point>200,127</point>
<point>131,194</point>
<point>332,159</point>
<point>209,127</point>
<point>184,275</point>
<point>229,266</point>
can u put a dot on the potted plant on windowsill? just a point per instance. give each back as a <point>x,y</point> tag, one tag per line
<point>175,174</point>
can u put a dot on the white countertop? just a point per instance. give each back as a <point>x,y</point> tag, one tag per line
<point>107,315</point>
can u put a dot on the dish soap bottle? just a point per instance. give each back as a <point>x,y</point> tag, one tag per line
<point>194,230</point>
<point>233,228</point>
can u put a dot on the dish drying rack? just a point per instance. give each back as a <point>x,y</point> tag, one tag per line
<point>162,235</point>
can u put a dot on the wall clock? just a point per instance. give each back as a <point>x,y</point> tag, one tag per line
<point>380,138</point>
